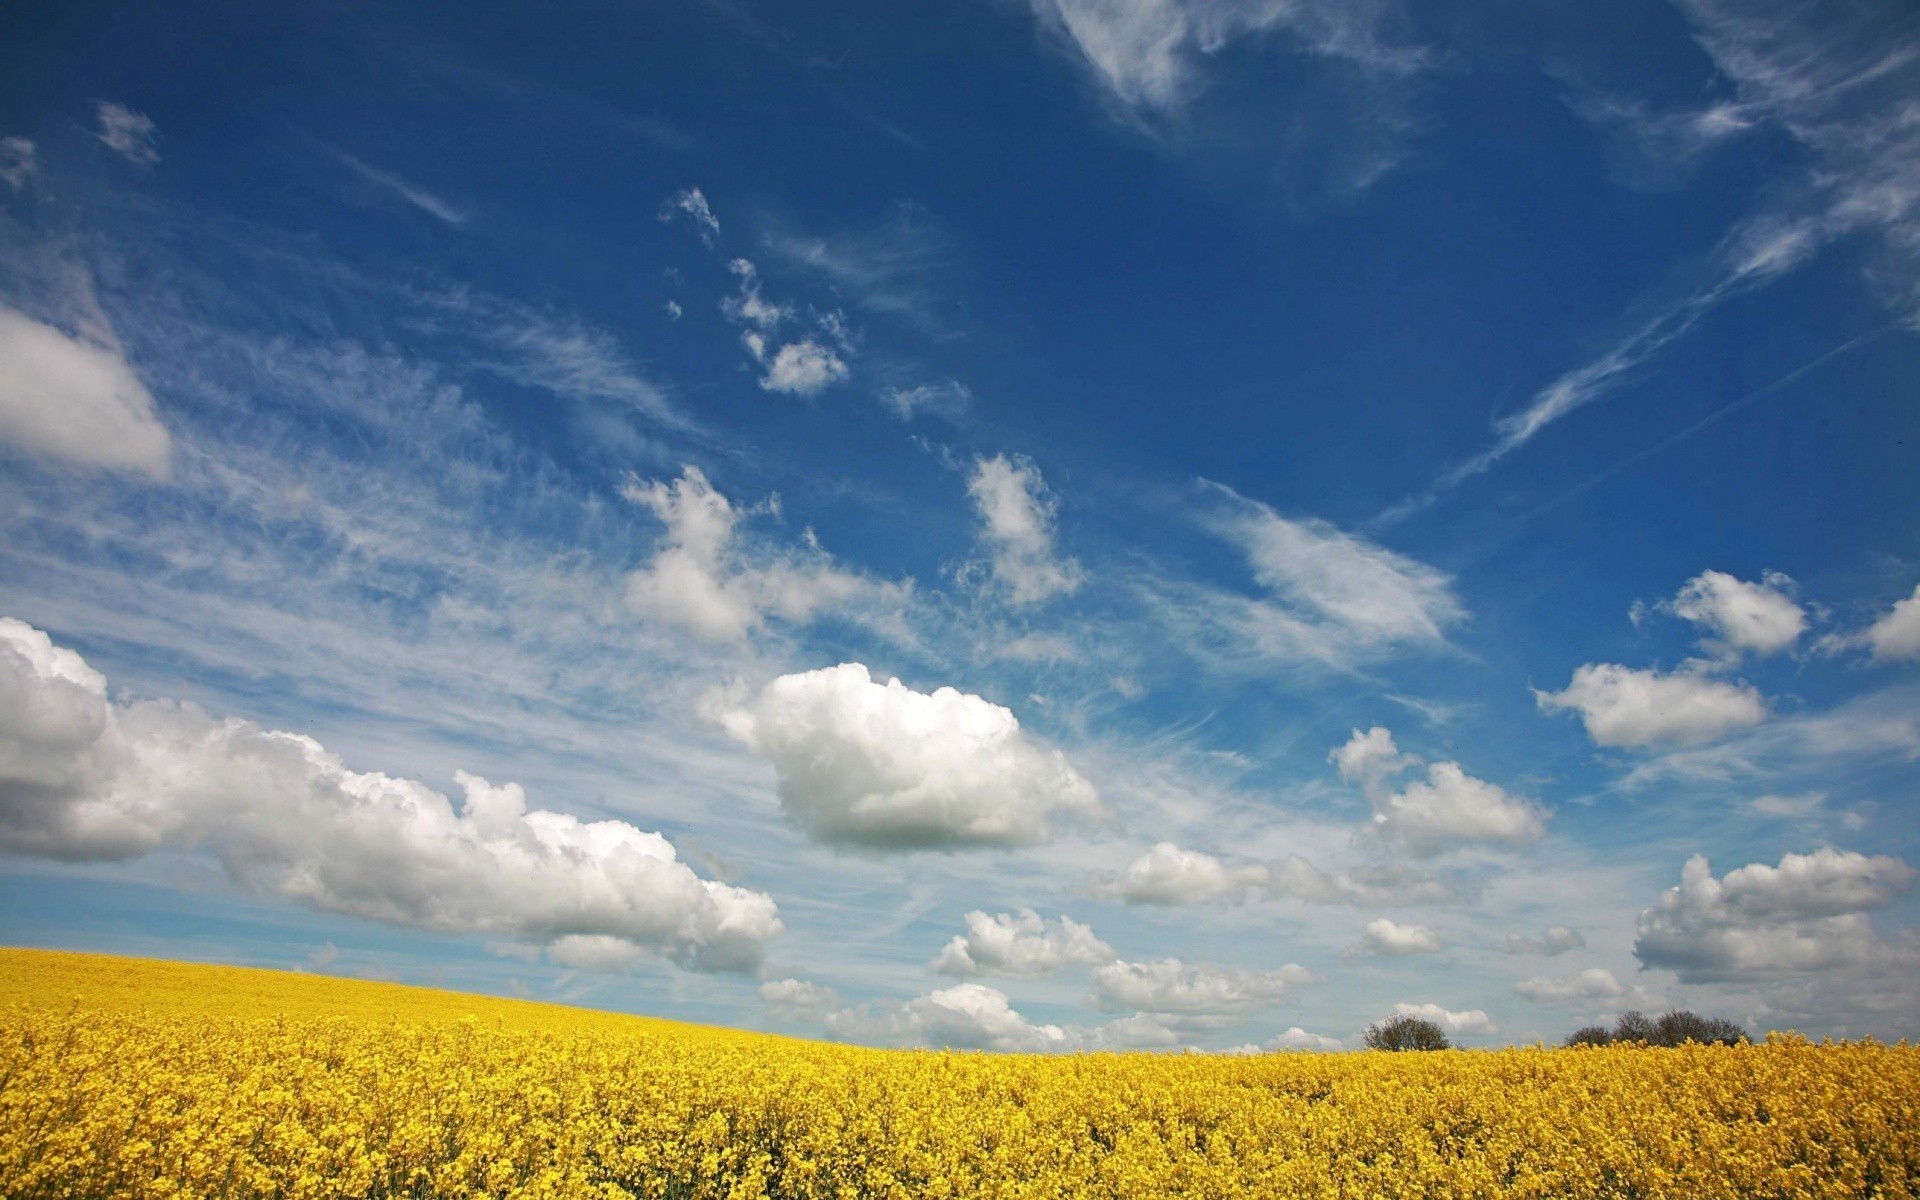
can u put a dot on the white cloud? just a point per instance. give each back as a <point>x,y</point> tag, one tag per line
<point>1146,52</point>
<point>1170,987</point>
<point>693,204</point>
<point>595,952</point>
<point>1472,1020</point>
<point>1169,875</point>
<point>969,1015</point>
<point>749,307</point>
<point>1017,515</point>
<point>1622,706</point>
<point>803,368</point>
<point>1391,939</point>
<point>1576,990</point>
<point>1558,939</point>
<point>127,133</point>
<point>1758,617</point>
<point>798,1000</point>
<point>949,399</point>
<point>1806,915</point>
<point>883,767</point>
<point>1896,636</point>
<point>412,193</point>
<point>1296,1038</point>
<point>1448,809</point>
<point>1333,597</point>
<point>76,401</point>
<point>19,161</point>
<point>1019,944</point>
<point>82,777</point>
<point>1806,804</point>
<point>703,580</point>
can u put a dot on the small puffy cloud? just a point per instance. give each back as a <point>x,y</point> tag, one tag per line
<point>1019,944</point>
<point>1621,706</point>
<point>1472,1020</point>
<point>1558,939</point>
<point>1448,809</point>
<point>19,161</point>
<point>1017,528</point>
<point>948,399</point>
<point>969,1015</point>
<point>1806,915</point>
<point>703,580</point>
<point>803,368</point>
<point>83,777</point>
<point>693,205</point>
<point>1896,636</point>
<point>1169,875</point>
<point>749,307</point>
<point>127,133</point>
<point>883,767</point>
<point>1173,988</point>
<point>1391,939</point>
<point>1758,617</point>
<point>1576,990</point>
<point>798,1000</point>
<point>1296,1038</point>
<point>76,401</point>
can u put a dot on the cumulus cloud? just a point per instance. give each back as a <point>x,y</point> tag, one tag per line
<point>1758,617</point>
<point>1895,637</point>
<point>1296,1038</point>
<point>1168,874</point>
<point>1806,915</point>
<point>749,307</point>
<point>1577,990</point>
<point>1621,706</point>
<point>798,1000</point>
<point>705,580</point>
<point>1169,987</point>
<point>692,204</point>
<point>1019,944</point>
<point>1448,809</point>
<point>883,767</point>
<point>1471,1021</point>
<point>19,161</point>
<point>83,777</point>
<point>1558,939</point>
<point>127,133</point>
<point>975,1016</point>
<point>1017,515</point>
<point>803,368</point>
<point>1389,939</point>
<point>76,401</point>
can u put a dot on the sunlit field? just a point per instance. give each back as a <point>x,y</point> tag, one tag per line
<point>123,1077</point>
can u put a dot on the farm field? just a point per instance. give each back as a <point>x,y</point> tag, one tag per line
<point>124,1077</point>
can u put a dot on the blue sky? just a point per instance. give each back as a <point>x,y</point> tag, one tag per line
<point>1041,525</point>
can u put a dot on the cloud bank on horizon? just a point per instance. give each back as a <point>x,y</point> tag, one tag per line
<point>1208,579</point>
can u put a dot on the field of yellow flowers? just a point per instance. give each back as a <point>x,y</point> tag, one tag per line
<point>122,1077</point>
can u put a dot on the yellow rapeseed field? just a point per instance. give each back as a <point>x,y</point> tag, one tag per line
<point>121,1077</point>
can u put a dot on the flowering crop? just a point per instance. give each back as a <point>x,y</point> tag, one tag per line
<point>146,1079</point>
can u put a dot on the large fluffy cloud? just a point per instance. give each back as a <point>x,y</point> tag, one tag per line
<point>1447,809</point>
<point>83,777</point>
<point>883,767</point>
<point>1168,874</point>
<point>1808,914</point>
<point>1579,989</point>
<point>1621,706</point>
<point>703,580</point>
<point>1020,943</point>
<point>1017,515</point>
<point>1896,636</point>
<point>76,401</point>
<point>1169,987</point>
<point>1741,616</point>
